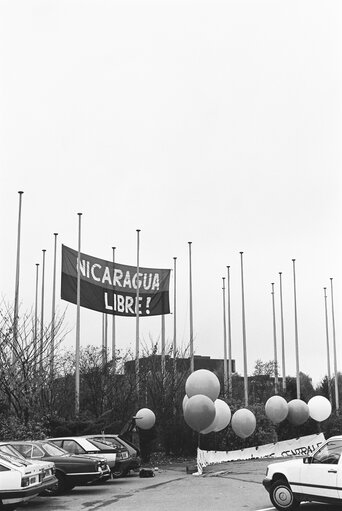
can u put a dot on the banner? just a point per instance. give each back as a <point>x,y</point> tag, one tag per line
<point>303,446</point>
<point>112,288</point>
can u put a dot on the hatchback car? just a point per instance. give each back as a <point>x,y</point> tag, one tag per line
<point>81,446</point>
<point>71,470</point>
<point>317,478</point>
<point>131,461</point>
<point>20,481</point>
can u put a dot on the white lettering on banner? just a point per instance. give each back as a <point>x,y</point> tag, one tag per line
<point>302,446</point>
<point>146,281</point>
<point>124,304</point>
<point>93,272</point>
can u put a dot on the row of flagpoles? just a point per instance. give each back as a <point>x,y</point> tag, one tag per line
<point>227,348</point>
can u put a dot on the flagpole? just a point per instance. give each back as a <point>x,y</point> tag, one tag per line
<point>35,335</point>
<point>174,318</point>
<point>327,338</point>
<point>244,335</point>
<point>225,375</point>
<point>78,321</point>
<point>282,330</point>
<point>113,323</point>
<point>42,314</point>
<point>230,382</point>
<point>274,343</point>
<point>17,272</point>
<point>137,320</point>
<point>192,364</point>
<point>296,329</point>
<point>163,347</point>
<point>334,345</point>
<point>52,353</point>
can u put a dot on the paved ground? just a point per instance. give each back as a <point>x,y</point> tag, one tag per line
<point>234,486</point>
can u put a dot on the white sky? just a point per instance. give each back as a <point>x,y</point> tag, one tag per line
<point>205,121</point>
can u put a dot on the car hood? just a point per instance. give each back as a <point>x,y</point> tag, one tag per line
<point>288,464</point>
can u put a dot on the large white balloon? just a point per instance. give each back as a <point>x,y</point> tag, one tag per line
<point>298,412</point>
<point>319,408</point>
<point>222,417</point>
<point>243,423</point>
<point>203,382</point>
<point>145,418</point>
<point>199,412</point>
<point>276,409</point>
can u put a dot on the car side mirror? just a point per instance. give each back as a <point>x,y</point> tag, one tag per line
<point>308,460</point>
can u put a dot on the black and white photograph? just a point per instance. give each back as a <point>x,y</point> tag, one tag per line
<point>171,256</point>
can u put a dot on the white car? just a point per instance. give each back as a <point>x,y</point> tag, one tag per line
<point>20,481</point>
<point>80,445</point>
<point>317,478</point>
<point>48,467</point>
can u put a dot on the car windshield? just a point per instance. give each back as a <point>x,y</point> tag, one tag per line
<point>11,451</point>
<point>53,450</point>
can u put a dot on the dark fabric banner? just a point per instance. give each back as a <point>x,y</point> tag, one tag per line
<point>112,288</point>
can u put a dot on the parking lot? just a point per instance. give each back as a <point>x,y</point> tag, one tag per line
<point>234,486</point>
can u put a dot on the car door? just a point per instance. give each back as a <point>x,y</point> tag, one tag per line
<point>321,475</point>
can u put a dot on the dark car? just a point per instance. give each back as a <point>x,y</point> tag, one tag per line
<point>132,462</point>
<point>71,470</point>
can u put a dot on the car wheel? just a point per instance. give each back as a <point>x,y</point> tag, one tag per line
<point>118,473</point>
<point>282,496</point>
<point>62,486</point>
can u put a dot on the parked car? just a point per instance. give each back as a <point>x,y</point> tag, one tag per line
<point>48,467</point>
<point>316,478</point>
<point>71,470</point>
<point>81,446</point>
<point>130,462</point>
<point>20,481</point>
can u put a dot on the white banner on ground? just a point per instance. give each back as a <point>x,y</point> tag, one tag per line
<point>302,446</point>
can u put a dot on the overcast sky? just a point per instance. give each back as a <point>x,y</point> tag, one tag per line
<point>212,122</point>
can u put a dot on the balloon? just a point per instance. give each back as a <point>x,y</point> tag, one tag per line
<point>319,408</point>
<point>185,401</point>
<point>223,415</point>
<point>203,382</point>
<point>243,423</point>
<point>145,418</point>
<point>199,412</point>
<point>298,412</point>
<point>276,409</point>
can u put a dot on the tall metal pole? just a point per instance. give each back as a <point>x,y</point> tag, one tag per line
<point>230,386</point>
<point>113,324</point>
<point>225,370</point>
<point>192,362</point>
<point>334,345</point>
<point>296,329</point>
<point>42,315</point>
<point>17,279</point>
<point>35,329</point>
<point>52,351</point>
<point>78,321</point>
<point>163,347</point>
<point>274,343</point>
<point>327,339</point>
<point>244,334</point>
<point>282,331</point>
<point>174,317</point>
<point>137,376</point>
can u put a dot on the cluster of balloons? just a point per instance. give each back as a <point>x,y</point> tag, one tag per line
<point>297,411</point>
<point>205,413</point>
<point>145,418</point>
